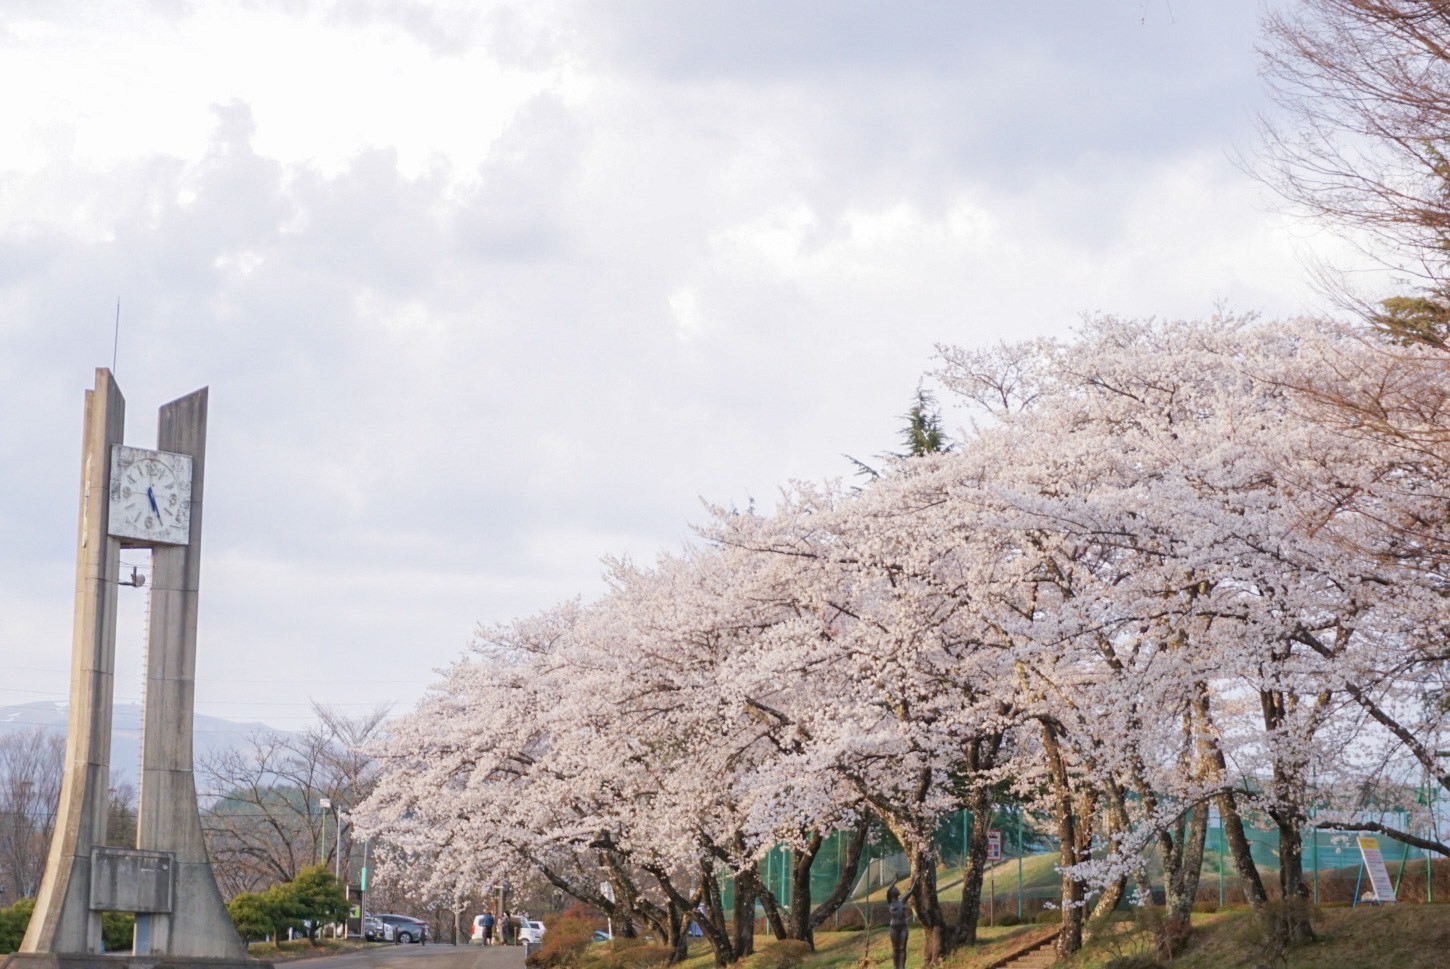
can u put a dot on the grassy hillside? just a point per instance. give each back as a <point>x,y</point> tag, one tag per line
<point>1392,937</point>
<point>1039,880</point>
<point>863,950</point>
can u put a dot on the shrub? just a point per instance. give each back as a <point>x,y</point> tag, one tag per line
<point>118,930</point>
<point>565,941</point>
<point>316,897</point>
<point>313,897</point>
<point>1048,916</point>
<point>252,915</point>
<point>783,954</point>
<point>13,921</point>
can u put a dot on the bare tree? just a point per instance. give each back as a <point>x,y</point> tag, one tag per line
<point>264,820</point>
<point>1363,140</point>
<point>31,766</point>
<point>121,815</point>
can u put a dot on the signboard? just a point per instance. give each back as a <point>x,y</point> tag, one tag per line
<point>1374,866</point>
<point>125,880</point>
<point>994,846</point>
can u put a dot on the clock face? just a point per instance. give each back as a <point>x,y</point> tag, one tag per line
<point>150,496</point>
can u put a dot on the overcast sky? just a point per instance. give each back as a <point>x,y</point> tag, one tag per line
<point>485,292</point>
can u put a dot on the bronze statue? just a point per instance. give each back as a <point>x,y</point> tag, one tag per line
<point>896,908</point>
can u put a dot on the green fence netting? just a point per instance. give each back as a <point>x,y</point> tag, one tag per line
<point>1027,877</point>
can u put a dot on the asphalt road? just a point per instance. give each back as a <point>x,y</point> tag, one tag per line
<point>430,956</point>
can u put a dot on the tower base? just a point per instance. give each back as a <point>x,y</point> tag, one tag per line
<point>121,960</point>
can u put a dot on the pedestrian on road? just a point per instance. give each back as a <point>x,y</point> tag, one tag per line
<point>487,924</point>
<point>508,928</point>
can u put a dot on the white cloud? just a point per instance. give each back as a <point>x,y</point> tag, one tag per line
<point>484,293</point>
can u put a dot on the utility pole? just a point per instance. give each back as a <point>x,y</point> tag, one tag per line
<point>362,893</point>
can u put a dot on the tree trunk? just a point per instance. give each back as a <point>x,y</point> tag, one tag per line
<point>744,910</point>
<point>1294,893</point>
<point>680,951</point>
<point>1069,936</point>
<point>1181,887</point>
<point>771,905</point>
<point>926,905</point>
<point>1117,824</point>
<point>845,877</point>
<point>1109,900</point>
<point>1288,781</point>
<point>674,926</point>
<point>798,916</point>
<point>711,917</point>
<point>1241,851</point>
<point>677,936</point>
<point>970,910</point>
<point>1228,810</point>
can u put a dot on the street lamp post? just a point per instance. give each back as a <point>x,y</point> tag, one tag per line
<point>336,809</point>
<point>326,803</point>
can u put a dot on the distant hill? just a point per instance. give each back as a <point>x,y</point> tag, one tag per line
<point>210,733</point>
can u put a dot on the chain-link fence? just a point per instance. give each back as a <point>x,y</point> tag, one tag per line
<point>1026,879</point>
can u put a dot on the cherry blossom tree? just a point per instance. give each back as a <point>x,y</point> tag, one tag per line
<point>1153,578</point>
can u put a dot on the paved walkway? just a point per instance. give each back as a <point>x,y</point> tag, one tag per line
<point>430,956</point>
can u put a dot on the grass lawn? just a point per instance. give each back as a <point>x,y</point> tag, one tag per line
<point>1038,872</point>
<point>302,949</point>
<point>849,950</point>
<point>1392,937</point>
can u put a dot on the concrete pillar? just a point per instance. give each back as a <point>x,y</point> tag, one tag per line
<point>63,921</point>
<point>168,820</point>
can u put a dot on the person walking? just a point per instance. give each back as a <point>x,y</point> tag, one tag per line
<point>487,925</point>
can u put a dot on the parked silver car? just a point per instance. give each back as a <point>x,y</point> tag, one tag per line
<point>402,928</point>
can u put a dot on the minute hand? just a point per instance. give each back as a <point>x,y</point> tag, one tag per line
<point>151,497</point>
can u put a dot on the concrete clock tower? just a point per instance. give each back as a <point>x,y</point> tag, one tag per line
<point>134,498</point>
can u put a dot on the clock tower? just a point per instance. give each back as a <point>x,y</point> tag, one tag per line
<point>134,498</point>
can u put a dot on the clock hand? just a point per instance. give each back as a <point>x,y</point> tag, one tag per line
<point>151,496</point>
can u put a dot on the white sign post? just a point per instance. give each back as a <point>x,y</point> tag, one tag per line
<point>1374,865</point>
<point>607,890</point>
<point>994,854</point>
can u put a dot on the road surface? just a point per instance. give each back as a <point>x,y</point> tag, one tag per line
<point>430,956</point>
